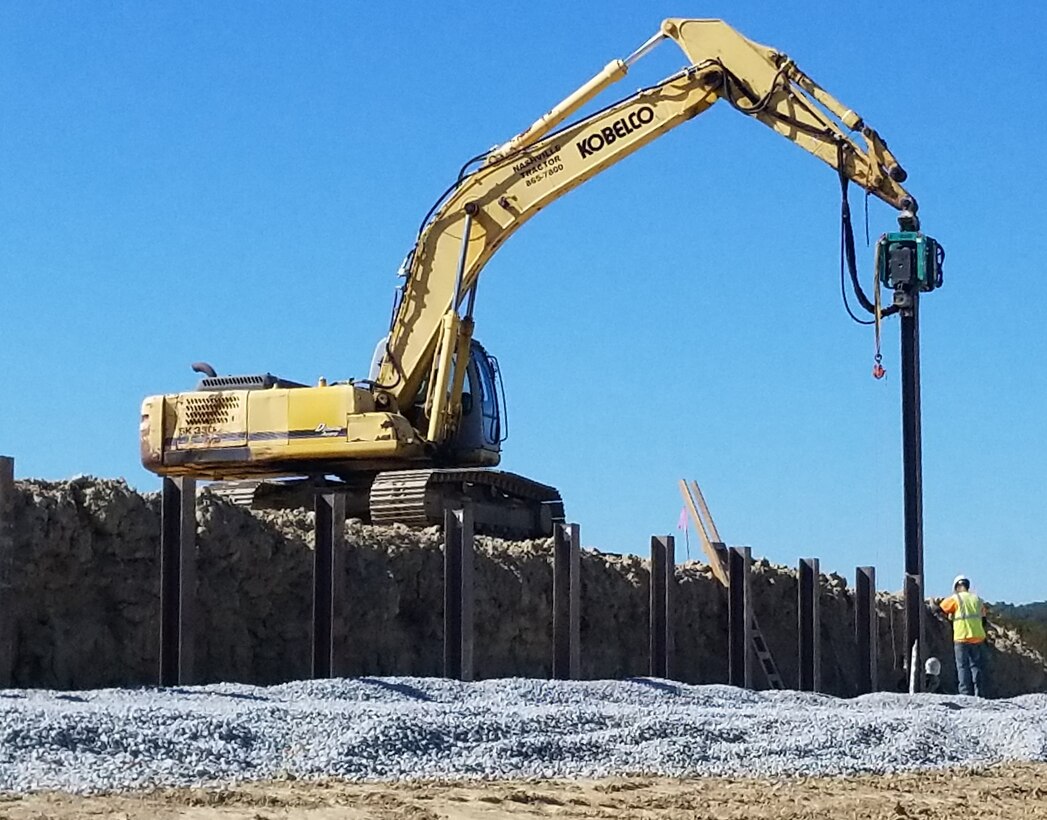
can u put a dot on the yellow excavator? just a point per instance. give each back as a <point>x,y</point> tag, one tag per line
<point>422,433</point>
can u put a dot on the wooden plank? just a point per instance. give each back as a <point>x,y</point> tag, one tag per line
<point>714,558</point>
<point>717,554</point>
<point>715,533</point>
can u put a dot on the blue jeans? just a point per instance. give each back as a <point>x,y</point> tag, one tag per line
<point>970,668</point>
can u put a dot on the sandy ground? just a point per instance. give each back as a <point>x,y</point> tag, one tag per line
<point>999,793</point>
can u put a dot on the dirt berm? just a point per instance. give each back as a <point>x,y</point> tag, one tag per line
<point>85,603</point>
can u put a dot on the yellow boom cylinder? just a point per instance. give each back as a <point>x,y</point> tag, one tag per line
<point>611,73</point>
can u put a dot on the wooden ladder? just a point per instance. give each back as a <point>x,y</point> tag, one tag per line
<point>716,552</point>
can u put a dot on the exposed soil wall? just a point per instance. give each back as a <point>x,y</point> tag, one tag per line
<point>86,603</point>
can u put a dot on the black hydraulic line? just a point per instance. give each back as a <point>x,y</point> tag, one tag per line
<point>759,105</point>
<point>450,190</point>
<point>374,383</point>
<point>847,253</point>
<point>866,204</point>
<point>843,286</point>
<point>847,228</point>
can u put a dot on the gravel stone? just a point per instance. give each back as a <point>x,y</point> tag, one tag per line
<point>421,728</point>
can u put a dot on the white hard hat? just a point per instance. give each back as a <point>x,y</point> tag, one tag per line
<point>961,579</point>
<point>933,667</point>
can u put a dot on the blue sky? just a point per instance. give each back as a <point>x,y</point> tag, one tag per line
<point>238,183</point>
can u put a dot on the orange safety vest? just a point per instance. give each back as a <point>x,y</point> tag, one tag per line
<point>966,611</point>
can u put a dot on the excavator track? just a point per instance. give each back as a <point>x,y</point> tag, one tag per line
<point>503,504</point>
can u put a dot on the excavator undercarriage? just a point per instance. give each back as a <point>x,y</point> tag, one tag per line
<point>503,504</point>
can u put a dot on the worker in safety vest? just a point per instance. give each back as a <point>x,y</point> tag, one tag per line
<point>967,613</point>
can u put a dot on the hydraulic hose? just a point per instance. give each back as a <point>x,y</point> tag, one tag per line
<point>847,254</point>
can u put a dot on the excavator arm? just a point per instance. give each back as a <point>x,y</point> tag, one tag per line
<point>544,162</point>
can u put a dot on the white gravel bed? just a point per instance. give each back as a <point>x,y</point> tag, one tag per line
<point>408,728</point>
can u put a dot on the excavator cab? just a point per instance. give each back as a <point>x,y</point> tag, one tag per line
<point>482,427</point>
<point>481,430</point>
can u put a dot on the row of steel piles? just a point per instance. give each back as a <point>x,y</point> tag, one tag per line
<point>178,580</point>
<point>745,648</point>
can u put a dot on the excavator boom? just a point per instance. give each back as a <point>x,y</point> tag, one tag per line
<point>539,165</point>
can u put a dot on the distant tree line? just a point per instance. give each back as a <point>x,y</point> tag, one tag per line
<point>1028,620</point>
